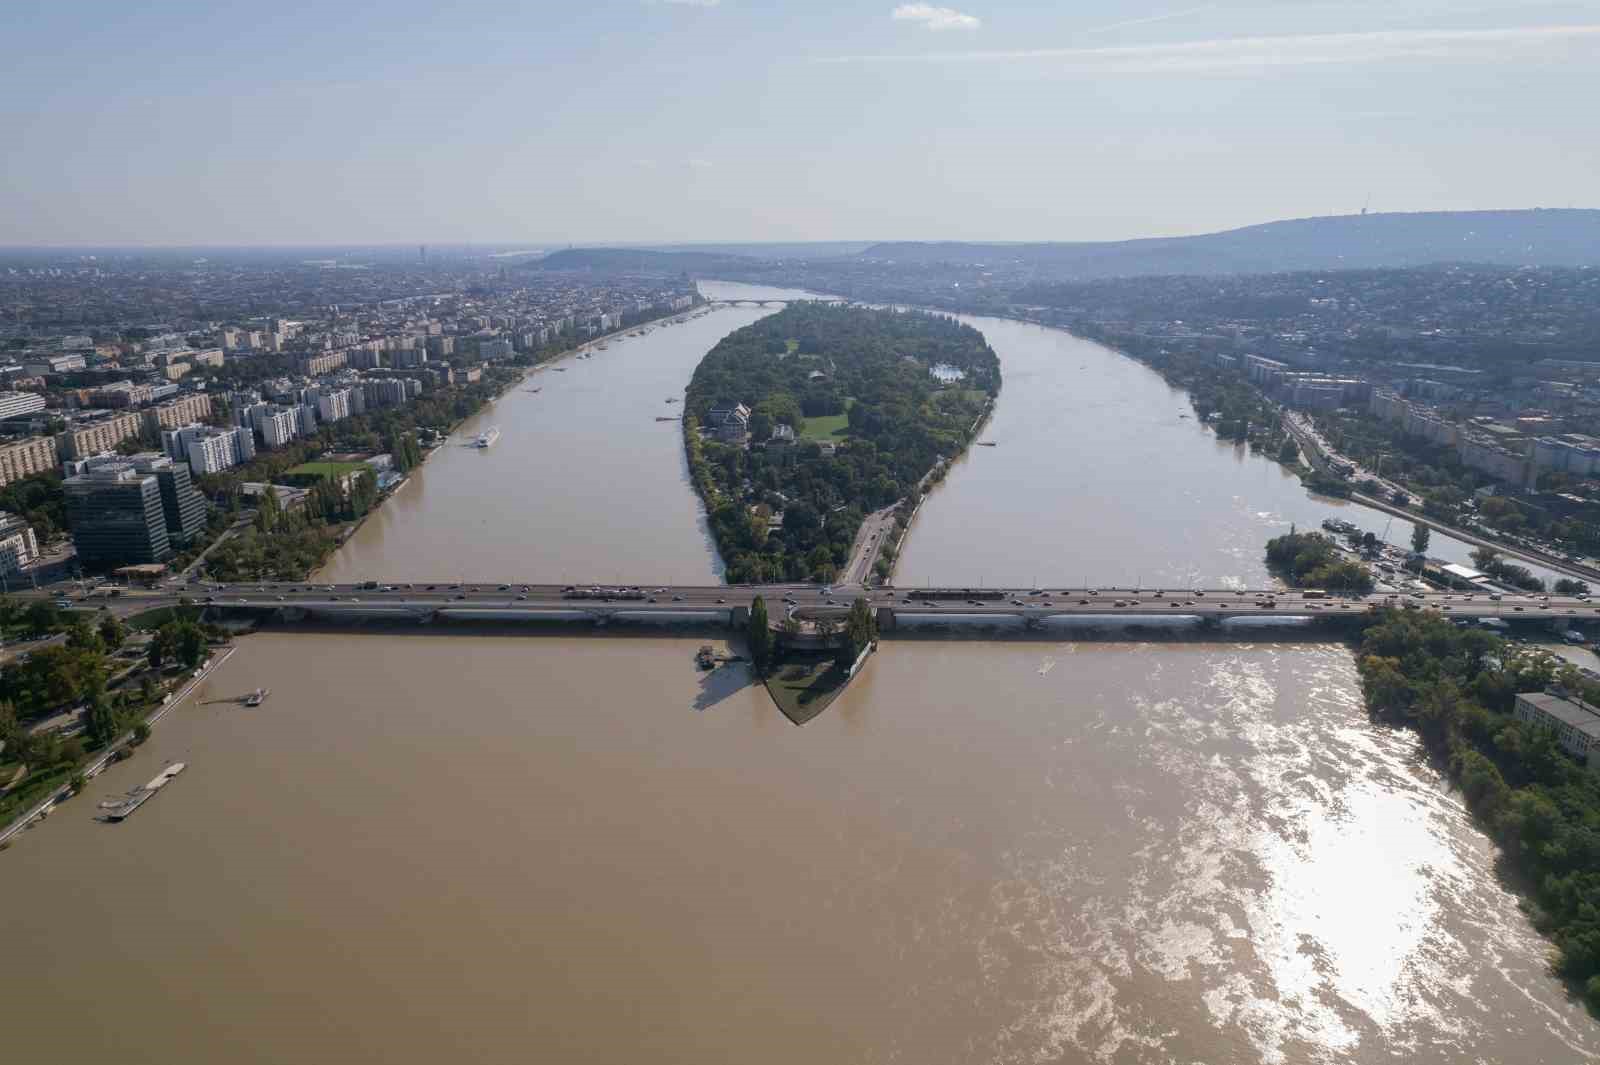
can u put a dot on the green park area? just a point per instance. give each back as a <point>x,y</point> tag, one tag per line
<point>314,471</point>
<point>826,429</point>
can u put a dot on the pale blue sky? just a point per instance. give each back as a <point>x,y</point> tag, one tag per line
<point>289,121</point>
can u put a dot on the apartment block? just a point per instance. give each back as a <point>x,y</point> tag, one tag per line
<point>315,365</point>
<point>277,424</point>
<point>24,458</point>
<point>18,545</point>
<point>208,449</point>
<point>15,403</point>
<point>96,434</point>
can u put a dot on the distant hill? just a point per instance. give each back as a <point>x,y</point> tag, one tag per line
<point>1564,237</point>
<point>811,249</point>
<point>637,261</point>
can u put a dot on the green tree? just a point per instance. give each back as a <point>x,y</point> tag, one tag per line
<point>162,645</point>
<point>81,637</point>
<point>759,636</point>
<point>101,721</point>
<point>43,617</point>
<point>267,513</point>
<point>1420,535</point>
<point>188,642</point>
<point>860,629</point>
<point>1289,453</point>
<point>113,633</point>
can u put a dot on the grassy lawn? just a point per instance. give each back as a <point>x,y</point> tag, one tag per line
<point>326,469</point>
<point>804,687</point>
<point>828,429</point>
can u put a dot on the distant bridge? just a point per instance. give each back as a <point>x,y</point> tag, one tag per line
<point>770,302</point>
<point>511,601</point>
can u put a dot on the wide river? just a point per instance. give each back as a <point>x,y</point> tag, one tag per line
<point>475,848</point>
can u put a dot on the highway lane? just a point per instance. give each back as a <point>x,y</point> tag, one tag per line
<point>810,601</point>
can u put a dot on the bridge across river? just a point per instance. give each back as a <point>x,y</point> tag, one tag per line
<point>757,301</point>
<point>513,600</point>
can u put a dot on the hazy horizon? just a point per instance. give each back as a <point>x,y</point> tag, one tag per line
<point>531,246</point>
<point>649,122</point>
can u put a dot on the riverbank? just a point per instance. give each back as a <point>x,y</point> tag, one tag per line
<point>1458,691</point>
<point>1322,461</point>
<point>95,766</point>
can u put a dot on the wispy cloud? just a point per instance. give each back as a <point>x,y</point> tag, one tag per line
<point>936,18</point>
<point>1148,19</point>
<point>1243,53</point>
<point>700,164</point>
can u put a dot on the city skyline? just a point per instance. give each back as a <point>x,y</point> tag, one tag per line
<point>668,122</point>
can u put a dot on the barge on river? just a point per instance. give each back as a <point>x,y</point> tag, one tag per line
<point>118,809</point>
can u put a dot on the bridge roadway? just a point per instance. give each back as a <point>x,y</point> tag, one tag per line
<point>474,600</point>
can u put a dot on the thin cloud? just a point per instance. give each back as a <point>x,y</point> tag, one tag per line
<point>1147,20</point>
<point>936,18</point>
<point>1247,53</point>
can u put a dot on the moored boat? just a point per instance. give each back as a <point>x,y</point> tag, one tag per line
<point>119,809</point>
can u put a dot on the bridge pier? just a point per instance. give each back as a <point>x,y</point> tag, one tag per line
<point>886,618</point>
<point>739,618</point>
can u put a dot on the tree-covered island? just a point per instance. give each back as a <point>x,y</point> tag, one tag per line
<point>799,425</point>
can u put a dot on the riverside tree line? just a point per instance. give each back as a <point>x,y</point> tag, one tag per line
<point>1457,687</point>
